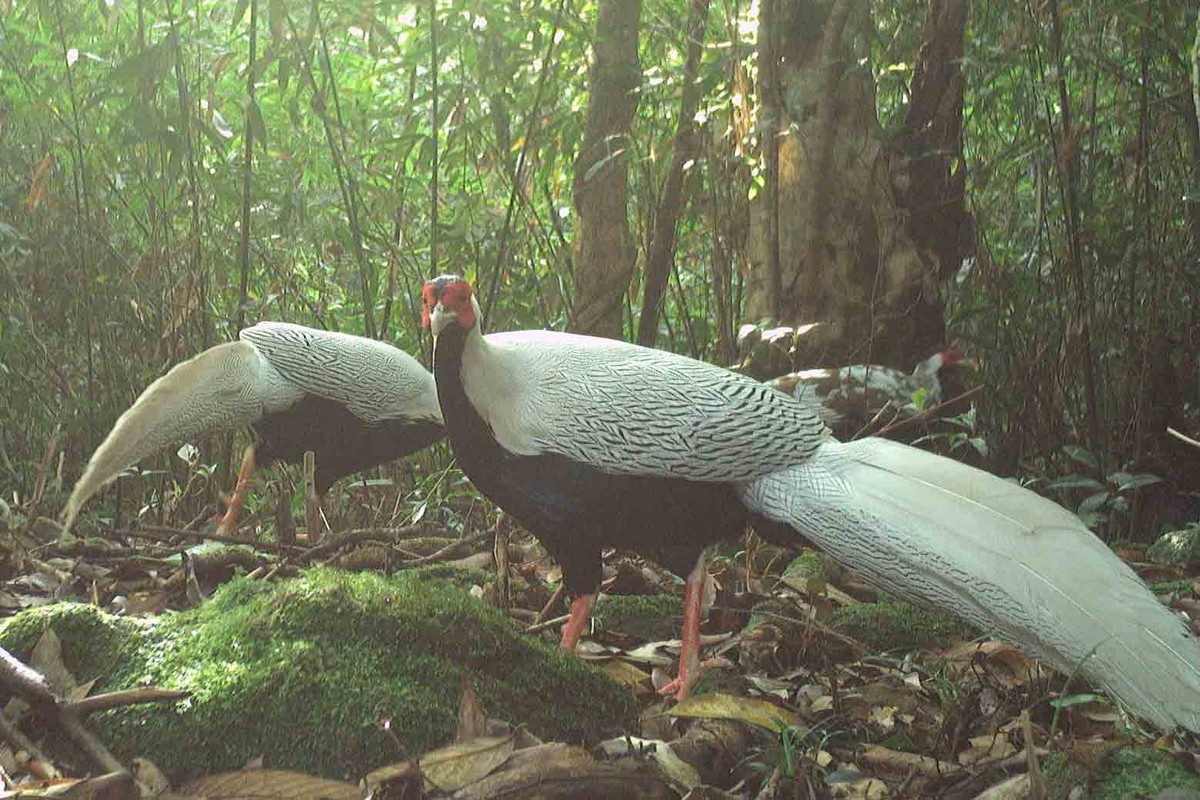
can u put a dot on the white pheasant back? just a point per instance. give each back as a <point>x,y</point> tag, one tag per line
<point>372,379</point>
<point>631,410</point>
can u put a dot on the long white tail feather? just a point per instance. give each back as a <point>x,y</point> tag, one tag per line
<point>1015,564</point>
<point>224,387</point>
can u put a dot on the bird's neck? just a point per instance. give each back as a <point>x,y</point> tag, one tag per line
<point>454,346</point>
<point>929,367</point>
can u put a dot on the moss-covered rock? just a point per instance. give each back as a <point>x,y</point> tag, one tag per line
<point>807,566</point>
<point>1124,773</point>
<point>646,616</point>
<point>1176,547</point>
<point>301,672</point>
<point>1141,772</point>
<point>896,625</point>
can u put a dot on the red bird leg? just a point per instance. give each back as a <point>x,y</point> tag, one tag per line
<point>228,524</point>
<point>689,651</point>
<point>581,609</point>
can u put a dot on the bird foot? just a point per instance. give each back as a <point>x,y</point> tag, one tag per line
<point>227,522</point>
<point>688,677</point>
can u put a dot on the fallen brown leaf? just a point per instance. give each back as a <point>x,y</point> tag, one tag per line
<point>458,765</point>
<point>270,784</point>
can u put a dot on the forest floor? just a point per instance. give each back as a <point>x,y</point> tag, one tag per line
<point>816,686</point>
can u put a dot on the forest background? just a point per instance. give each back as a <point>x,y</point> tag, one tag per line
<point>1021,180</point>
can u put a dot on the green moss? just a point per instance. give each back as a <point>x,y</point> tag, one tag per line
<point>647,616</point>
<point>460,577</point>
<point>302,671</point>
<point>425,545</point>
<point>805,567</point>
<point>1176,547</point>
<point>1180,587</point>
<point>1141,772</point>
<point>895,625</point>
<point>94,644</point>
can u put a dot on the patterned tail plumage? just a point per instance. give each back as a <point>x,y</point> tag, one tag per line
<point>214,391</point>
<point>1015,564</point>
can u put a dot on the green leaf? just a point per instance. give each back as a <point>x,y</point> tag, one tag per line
<point>275,18</point>
<point>1093,504</point>
<point>1074,700</point>
<point>1081,455</point>
<point>239,13</point>
<point>1076,482</point>
<point>1126,481</point>
<point>144,65</point>
<point>257,127</point>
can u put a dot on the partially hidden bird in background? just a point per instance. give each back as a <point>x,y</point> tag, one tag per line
<point>848,399</point>
<point>590,442</point>
<point>354,402</point>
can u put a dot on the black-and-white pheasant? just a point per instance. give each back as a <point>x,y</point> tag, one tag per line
<point>590,442</point>
<point>354,402</point>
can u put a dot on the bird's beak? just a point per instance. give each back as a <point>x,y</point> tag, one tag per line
<point>440,317</point>
<point>969,363</point>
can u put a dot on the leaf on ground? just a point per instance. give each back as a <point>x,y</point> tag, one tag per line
<point>746,709</point>
<point>458,765</point>
<point>395,780</point>
<point>628,675</point>
<point>986,746</point>
<point>1006,663</point>
<point>270,784</point>
<point>680,773</point>
<point>472,719</point>
<point>47,659</point>
<point>853,785</point>
<point>653,653</point>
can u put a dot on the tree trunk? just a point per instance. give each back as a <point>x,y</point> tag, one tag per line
<point>934,188</point>
<point>666,218</point>
<point>851,252</point>
<point>605,251</point>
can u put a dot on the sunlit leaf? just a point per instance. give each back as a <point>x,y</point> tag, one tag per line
<point>747,709</point>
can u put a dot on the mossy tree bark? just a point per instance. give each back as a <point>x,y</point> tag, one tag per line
<point>605,248</point>
<point>857,233</point>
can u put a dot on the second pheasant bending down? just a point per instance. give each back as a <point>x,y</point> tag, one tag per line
<point>354,402</point>
<point>590,442</point>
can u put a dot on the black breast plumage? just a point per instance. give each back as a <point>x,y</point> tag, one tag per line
<point>574,508</point>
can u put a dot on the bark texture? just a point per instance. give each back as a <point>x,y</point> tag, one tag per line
<point>852,254</point>
<point>605,250</point>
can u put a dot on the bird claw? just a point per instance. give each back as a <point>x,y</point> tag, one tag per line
<point>680,686</point>
<point>675,687</point>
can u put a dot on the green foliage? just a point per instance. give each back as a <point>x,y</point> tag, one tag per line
<point>123,126</point>
<point>654,617</point>
<point>302,672</point>
<point>1177,547</point>
<point>1142,772</point>
<point>896,625</point>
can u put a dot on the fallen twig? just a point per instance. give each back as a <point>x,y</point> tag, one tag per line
<point>896,761</point>
<point>927,415</point>
<point>1182,437</point>
<point>161,533</point>
<point>33,687</point>
<point>128,697</point>
<point>547,624</point>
